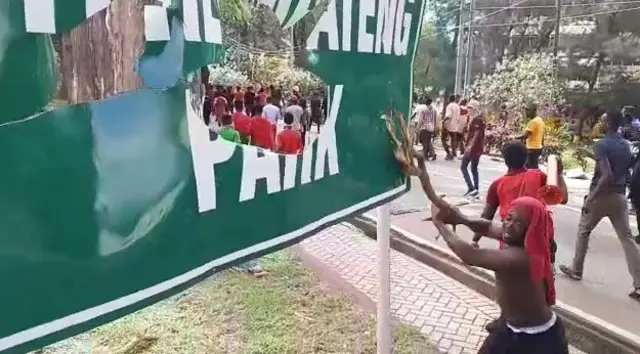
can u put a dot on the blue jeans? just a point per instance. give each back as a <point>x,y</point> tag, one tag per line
<point>464,167</point>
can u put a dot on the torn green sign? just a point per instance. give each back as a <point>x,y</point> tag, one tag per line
<point>110,205</point>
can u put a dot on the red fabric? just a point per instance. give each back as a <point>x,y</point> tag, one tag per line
<point>537,241</point>
<point>511,186</point>
<point>519,183</point>
<point>289,142</point>
<point>262,99</point>
<point>242,123</point>
<point>261,133</point>
<point>220,106</point>
<point>476,127</point>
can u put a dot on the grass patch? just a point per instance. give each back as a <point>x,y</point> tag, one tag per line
<point>570,161</point>
<point>287,311</point>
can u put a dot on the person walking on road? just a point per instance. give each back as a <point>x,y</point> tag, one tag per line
<point>475,139</point>
<point>463,126</point>
<point>524,277</point>
<point>425,116</point>
<point>607,198</point>
<point>273,114</point>
<point>297,112</point>
<point>534,135</point>
<point>450,127</point>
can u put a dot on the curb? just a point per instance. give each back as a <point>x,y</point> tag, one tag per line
<point>585,332</point>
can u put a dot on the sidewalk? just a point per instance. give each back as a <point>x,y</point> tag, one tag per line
<point>452,315</point>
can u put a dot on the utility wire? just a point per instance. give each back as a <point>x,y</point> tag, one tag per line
<point>605,3</point>
<point>537,21</point>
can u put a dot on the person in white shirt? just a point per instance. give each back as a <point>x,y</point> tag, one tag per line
<point>450,125</point>
<point>462,126</point>
<point>296,111</point>
<point>272,113</point>
<point>425,117</point>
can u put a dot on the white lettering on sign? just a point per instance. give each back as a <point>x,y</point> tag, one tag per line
<point>365,39</point>
<point>385,24</point>
<point>328,23</point>
<point>206,154</point>
<point>258,165</point>
<point>403,27</point>
<point>94,6</point>
<point>327,145</point>
<point>157,25</point>
<point>40,17</point>
<point>346,25</point>
<point>391,35</point>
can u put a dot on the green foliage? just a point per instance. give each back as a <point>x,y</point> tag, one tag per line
<point>237,12</point>
<point>426,64</point>
<point>446,16</point>
<point>277,70</point>
<point>557,138</point>
<point>518,83</point>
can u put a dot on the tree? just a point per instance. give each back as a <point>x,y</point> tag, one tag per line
<point>518,83</point>
<point>426,63</point>
<point>446,16</point>
<point>98,57</point>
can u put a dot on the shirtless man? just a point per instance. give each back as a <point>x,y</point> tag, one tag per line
<point>524,277</point>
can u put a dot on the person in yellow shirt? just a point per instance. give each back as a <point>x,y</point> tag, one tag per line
<point>534,136</point>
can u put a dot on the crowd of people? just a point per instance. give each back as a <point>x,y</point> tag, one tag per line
<point>524,263</point>
<point>462,129</point>
<point>251,116</point>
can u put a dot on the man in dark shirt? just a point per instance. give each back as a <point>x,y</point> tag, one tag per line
<point>316,109</point>
<point>249,100</point>
<point>475,140</point>
<point>607,199</point>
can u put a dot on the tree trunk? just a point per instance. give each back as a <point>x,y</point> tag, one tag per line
<point>596,72</point>
<point>99,56</point>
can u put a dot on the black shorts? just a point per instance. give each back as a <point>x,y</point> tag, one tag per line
<point>502,340</point>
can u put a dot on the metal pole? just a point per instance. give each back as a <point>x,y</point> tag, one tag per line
<point>292,49</point>
<point>384,281</point>
<point>469,55</point>
<point>459,50</point>
<point>556,39</point>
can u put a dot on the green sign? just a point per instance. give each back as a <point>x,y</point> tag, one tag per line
<point>110,205</point>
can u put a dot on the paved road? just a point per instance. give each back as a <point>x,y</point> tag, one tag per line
<point>603,291</point>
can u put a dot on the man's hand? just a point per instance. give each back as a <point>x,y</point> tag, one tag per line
<point>450,215</point>
<point>588,200</point>
<point>560,167</point>
<point>406,166</point>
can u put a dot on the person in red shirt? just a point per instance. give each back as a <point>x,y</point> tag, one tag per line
<point>517,182</point>
<point>220,108</point>
<point>242,123</point>
<point>262,97</point>
<point>238,95</point>
<point>473,152</point>
<point>261,134</point>
<point>289,141</point>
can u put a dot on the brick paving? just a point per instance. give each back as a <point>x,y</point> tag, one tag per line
<point>450,314</point>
